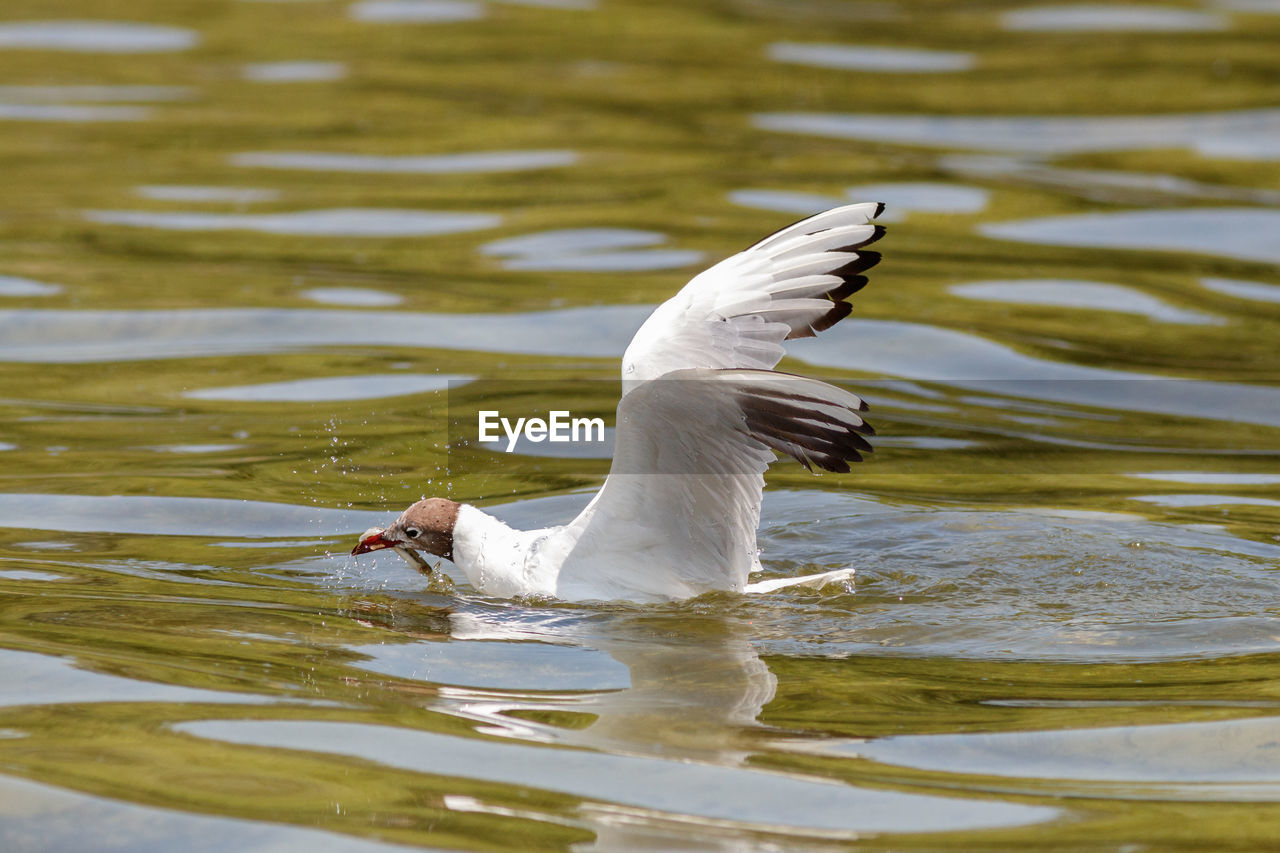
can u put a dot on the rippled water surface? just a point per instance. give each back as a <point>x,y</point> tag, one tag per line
<point>254,256</point>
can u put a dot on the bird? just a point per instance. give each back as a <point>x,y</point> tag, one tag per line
<point>701,415</point>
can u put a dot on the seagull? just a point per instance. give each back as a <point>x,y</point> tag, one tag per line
<point>701,415</point>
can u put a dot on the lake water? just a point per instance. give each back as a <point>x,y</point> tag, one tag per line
<point>255,255</point>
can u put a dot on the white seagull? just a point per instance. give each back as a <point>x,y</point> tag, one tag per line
<point>701,413</point>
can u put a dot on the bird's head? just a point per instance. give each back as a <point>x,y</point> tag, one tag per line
<point>425,526</point>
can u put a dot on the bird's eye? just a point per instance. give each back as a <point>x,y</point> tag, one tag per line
<point>412,532</point>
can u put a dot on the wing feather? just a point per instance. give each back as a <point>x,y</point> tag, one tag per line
<point>682,500</point>
<point>736,314</point>
<point>827,219</point>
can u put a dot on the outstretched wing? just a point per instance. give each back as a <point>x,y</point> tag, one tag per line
<point>791,284</point>
<point>702,411</point>
<point>678,514</point>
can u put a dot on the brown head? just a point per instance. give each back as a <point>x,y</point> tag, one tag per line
<point>425,526</point>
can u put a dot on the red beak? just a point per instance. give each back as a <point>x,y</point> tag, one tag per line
<point>371,540</point>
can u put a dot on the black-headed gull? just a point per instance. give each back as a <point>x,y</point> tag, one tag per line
<point>701,413</point>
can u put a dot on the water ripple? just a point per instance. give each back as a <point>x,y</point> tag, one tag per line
<point>1244,233</point>
<point>1094,295</point>
<point>497,664</point>
<point>889,348</point>
<point>1245,134</point>
<point>431,164</point>
<point>360,297</point>
<point>71,113</point>
<point>33,679</point>
<point>232,195</point>
<point>58,816</point>
<point>870,57</point>
<point>334,222</point>
<point>900,198</point>
<point>1253,290</point>
<point>589,250</point>
<point>917,351</point>
<point>416,11</point>
<point>95,36</point>
<point>1103,184</point>
<point>151,515</point>
<point>79,336</point>
<point>93,94</point>
<point>1224,478</point>
<point>15,286</point>
<point>1225,759</point>
<point>294,72</point>
<point>1100,17</point>
<point>1026,584</point>
<point>331,388</point>
<point>756,797</point>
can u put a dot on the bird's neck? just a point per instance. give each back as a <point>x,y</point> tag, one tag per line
<point>491,554</point>
<point>476,538</point>
<point>500,560</point>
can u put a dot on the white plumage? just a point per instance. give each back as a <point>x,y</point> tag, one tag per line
<point>701,414</point>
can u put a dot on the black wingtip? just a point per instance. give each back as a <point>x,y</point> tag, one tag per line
<point>847,288</point>
<point>838,312</point>
<point>865,261</point>
<point>838,466</point>
<point>879,210</point>
<point>876,233</point>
